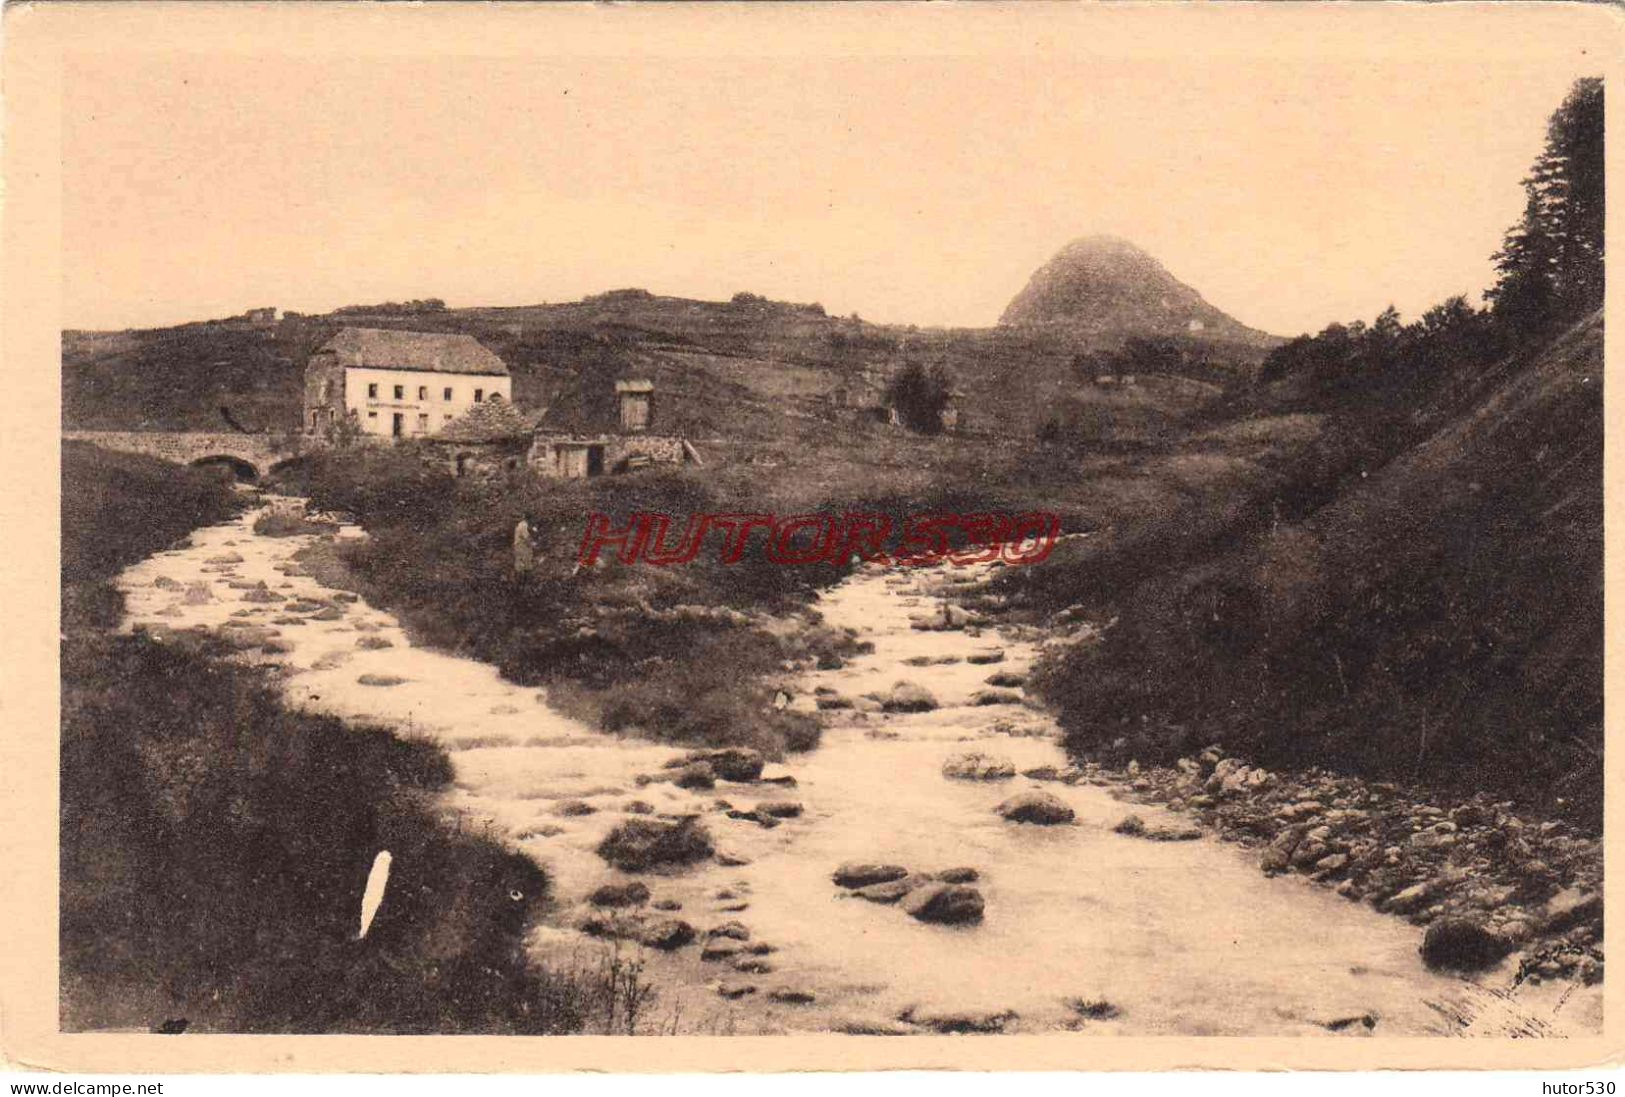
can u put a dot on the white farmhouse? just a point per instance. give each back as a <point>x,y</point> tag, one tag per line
<point>399,384</point>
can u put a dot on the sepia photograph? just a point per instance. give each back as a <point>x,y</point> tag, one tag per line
<point>905,521</point>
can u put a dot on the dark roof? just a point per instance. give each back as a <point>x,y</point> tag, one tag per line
<point>495,420</point>
<point>385,348</point>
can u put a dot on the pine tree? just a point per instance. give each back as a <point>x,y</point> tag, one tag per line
<point>1551,265</point>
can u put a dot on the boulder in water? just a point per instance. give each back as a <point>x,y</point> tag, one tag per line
<point>947,904</point>
<point>976,766</point>
<point>720,948</point>
<point>857,874</point>
<point>908,697</point>
<point>664,934</point>
<point>1459,944</point>
<point>638,845</point>
<point>1037,807</point>
<point>985,656</point>
<point>697,776</point>
<point>958,1020</point>
<point>728,763</point>
<point>630,894</point>
<point>779,809</point>
<point>995,697</point>
<point>380,680</point>
<point>735,931</point>
<point>962,874</point>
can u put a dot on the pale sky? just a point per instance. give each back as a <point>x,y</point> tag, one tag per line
<point>908,189</point>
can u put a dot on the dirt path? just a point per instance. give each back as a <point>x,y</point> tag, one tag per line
<point>1083,929</point>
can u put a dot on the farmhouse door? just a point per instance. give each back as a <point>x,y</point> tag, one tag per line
<point>399,426</point>
<point>595,460</point>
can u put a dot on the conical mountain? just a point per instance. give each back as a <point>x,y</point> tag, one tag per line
<point>1104,286</point>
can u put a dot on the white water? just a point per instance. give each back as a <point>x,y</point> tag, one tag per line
<point>1182,937</point>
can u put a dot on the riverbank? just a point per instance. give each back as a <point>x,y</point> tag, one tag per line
<point>714,888</point>
<point>1509,886</point>
<point>216,841</point>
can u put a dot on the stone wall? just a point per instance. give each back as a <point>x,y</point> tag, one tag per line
<point>618,448</point>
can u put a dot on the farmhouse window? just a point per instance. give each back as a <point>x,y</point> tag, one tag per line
<point>423,392</point>
<point>372,392</point>
<point>423,424</point>
<point>479,395</point>
<point>400,392</point>
<point>446,395</point>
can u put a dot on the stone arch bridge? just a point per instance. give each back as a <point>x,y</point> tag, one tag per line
<point>246,456</point>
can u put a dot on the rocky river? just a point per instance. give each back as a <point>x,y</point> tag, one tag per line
<point>1079,927</point>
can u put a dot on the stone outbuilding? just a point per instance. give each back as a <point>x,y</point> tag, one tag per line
<point>601,427</point>
<point>490,439</point>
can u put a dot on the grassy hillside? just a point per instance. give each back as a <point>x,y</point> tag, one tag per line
<point>1433,612</point>
<point>748,369</point>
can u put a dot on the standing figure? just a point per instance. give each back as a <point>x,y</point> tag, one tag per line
<point>524,549</point>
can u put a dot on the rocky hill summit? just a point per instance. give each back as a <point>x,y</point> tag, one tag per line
<point>1106,286</point>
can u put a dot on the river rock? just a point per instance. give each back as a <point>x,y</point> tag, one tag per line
<point>374,643</point>
<point>1409,899</point>
<point>1458,944</point>
<point>666,904</point>
<point>958,1021</point>
<point>164,582</point>
<point>793,996</point>
<point>908,696</point>
<point>835,703</point>
<point>261,594</point>
<point>665,934</point>
<point>720,948</point>
<point>638,807</point>
<point>985,656</point>
<point>639,844</point>
<point>1571,907</point>
<point>976,766</point>
<point>736,931</point>
<point>733,991</point>
<point>857,874</point>
<point>574,808</point>
<point>962,874</point>
<point>697,776</point>
<point>779,809</point>
<point>752,965</point>
<point>984,697</point>
<point>947,904</point>
<point>225,558</point>
<point>380,680</point>
<point>1006,679</point>
<point>729,763</point>
<point>630,894</point>
<point>1037,807</point>
<point>892,890</point>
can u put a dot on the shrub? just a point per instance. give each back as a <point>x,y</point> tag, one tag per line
<point>214,850</point>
